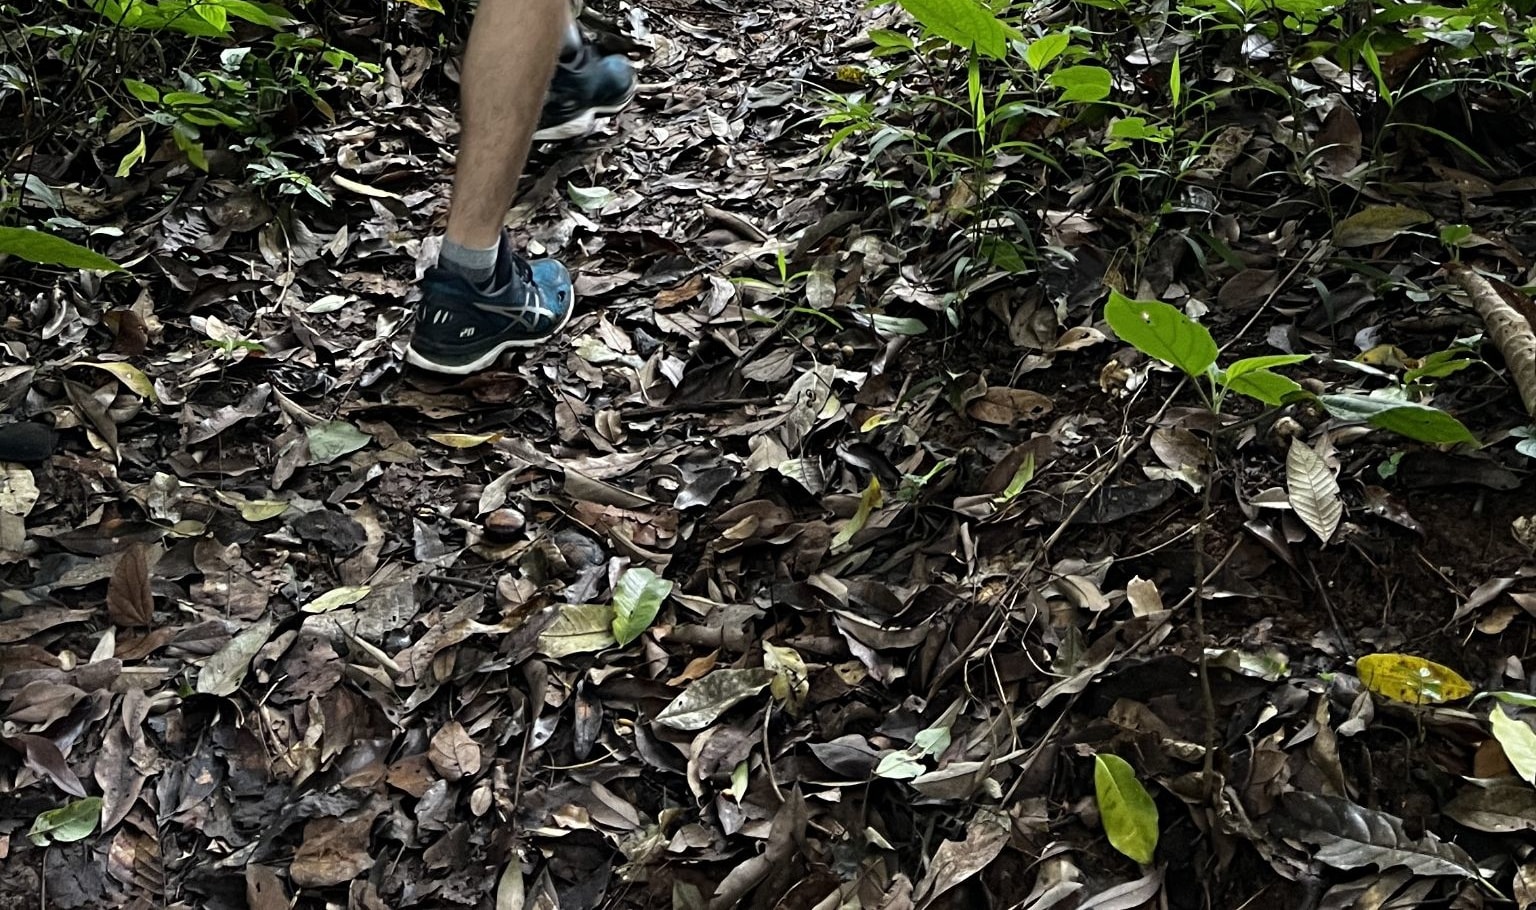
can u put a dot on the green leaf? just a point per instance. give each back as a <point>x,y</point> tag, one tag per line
<point>46,249</point>
<point>1161,331</point>
<point>1082,83</point>
<point>1250,364</point>
<point>1021,479</point>
<point>902,765</point>
<point>1415,421</point>
<point>142,90</point>
<point>1262,385</point>
<point>1518,740</point>
<point>73,821</point>
<point>1175,81</point>
<point>1126,808</point>
<point>884,37</point>
<point>1376,224</point>
<point>435,6</point>
<point>963,22</point>
<point>125,167</point>
<point>636,599</point>
<point>1042,51</point>
<point>329,441</point>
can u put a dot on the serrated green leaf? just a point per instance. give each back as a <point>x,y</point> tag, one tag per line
<point>1161,331</point>
<point>1415,421</point>
<point>1125,807</point>
<point>333,439</point>
<point>1518,741</point>
<point>46,249</point>
<point>706,699</point>
<point>73,821</point>
<point>636,599</point>
<point>1042,51</point>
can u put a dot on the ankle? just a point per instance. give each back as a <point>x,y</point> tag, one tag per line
<point>475,264</point>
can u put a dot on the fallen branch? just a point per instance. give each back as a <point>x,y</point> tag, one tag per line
<point>1508,316</point>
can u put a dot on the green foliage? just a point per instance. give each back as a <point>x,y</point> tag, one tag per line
<point>636,600</point>
<point>965,22</point>
<point>46,249</point>
<point>73,821</point>
<point>1126,808</point>
<point>1165,333</point>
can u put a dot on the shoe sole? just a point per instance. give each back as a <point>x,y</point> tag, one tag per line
<point>489,357</point>
<point>582,123</point>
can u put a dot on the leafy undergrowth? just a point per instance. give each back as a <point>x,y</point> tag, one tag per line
<point>794,577</point>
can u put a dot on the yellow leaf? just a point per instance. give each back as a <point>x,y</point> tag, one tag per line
<point>1409,679</point>
<point>432,5</point>
<point>868,502</point>
<point>130,376</point>
<point>254,510</point>
<point>337,598</point>
<point>463,440</point>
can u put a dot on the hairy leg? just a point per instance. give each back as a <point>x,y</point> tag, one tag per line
<point>513,48</point>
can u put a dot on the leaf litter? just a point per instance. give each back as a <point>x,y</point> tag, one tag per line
<point>735,599</point>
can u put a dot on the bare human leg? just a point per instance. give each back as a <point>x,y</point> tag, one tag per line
<point>513,47</point>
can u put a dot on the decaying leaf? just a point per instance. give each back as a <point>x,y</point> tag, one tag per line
<point>1314,493</point>
<point>1412,680</point>
<point>1349,836</point>
<point>223,672</point>
<point>706,699</point>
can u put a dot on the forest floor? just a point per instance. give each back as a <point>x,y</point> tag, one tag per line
<point>320,628</point>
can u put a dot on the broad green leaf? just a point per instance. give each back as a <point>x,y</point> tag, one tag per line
<point>1161,331</point>
<point>1251,364</point>
<point>142,90</point>
<point>580,628</point>
<point>130,376</point>
<point>222,673</point>
<point>868,502</point>
<point>963,22</point>
<point>933,740</point>
<point>706,699</point>
<point>1518,741</point>
<point>636,599</point>
<point>329,441</point>
<point>1262,385</point>
<point>1125,807</point>
<point>1042,51</point>
<point>46,249</point>
<point>336,598</point>
<point>1415,421</point>
<point>1440,365</point>
<point>1411,680</point>
<point>73,821</point>
<point>1082,83</point>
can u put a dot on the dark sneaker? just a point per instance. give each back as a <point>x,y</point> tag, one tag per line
<point>461,328</point>
<point>592,85</point>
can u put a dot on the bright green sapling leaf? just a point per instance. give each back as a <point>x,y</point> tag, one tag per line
<point>1263,385</point>
<point>1250,364</point>
<point>1161,331</point>
<point>636,599</point>
<point>1125,807</point>
<point>1043,50</point>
